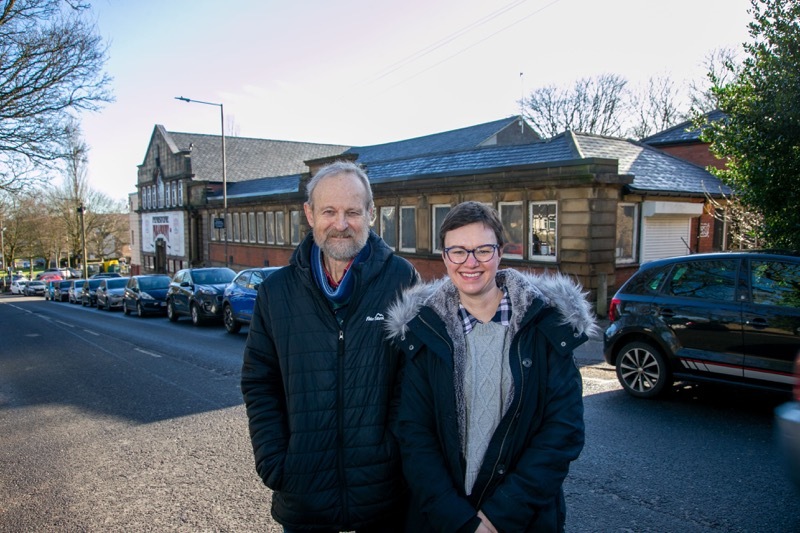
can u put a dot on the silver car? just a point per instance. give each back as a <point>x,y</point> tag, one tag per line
<point>787,420</point>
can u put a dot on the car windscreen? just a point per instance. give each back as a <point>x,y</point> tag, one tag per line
<point>155,283</point>
<point>116,283</point>
<point>213,277</point>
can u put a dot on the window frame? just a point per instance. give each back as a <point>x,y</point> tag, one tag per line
<point>400,239</point>
<point>436,225</point>
<point>507,230</point>
<point>392,210</point>
<point>636,232</point>
<point>552,232</point>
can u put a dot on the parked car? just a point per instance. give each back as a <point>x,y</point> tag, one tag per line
<point>146,294</point>
<point>76,291</point>
<point>89,293</point>
<point>49,290</point>
<point>109,294</point>
<point>49,276</point>
<point>34,288</point>
<point>727,318</point>
<point>787,417</point>
<point>18,285</point>
<point>239,297</point>
<point>197,292</point>
<point>106,275</point>
<point>61,290</point>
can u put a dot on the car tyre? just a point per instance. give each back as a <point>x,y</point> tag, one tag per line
<point>171,314</point>
<point>642,370</point>
<point>139,310</point>
<point>125,310</point>
<point>232,325</point>
<point>196,318</point>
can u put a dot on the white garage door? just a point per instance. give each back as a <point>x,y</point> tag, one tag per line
<point>665,237</point>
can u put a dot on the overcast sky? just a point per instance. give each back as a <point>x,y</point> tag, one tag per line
<point>360,72</point>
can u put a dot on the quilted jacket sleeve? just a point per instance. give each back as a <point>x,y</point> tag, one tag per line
<point>263,391</point>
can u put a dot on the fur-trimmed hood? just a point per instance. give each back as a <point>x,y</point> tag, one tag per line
<point>556,290</point>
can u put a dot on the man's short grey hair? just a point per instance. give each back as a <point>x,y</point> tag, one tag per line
<point>341,167</point>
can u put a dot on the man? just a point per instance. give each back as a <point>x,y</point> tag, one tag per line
<point>318,377</point>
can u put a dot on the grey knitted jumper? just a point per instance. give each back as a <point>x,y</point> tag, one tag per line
<point>488,389</point>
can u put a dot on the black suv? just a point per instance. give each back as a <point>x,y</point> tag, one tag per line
<point>197,292</point>
<point>730,317</point>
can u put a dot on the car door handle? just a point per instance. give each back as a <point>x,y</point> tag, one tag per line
<point>758,323</point>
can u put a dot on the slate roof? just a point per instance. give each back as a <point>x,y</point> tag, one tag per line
<point>448,141</point>
<point>248,159</point>
<point>654,171</point>
<point>685,132</point>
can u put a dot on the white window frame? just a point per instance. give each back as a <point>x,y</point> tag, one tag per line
<point>506,227</point>
<point>294,227</point>
<point>280,228</point>
<point>634,258</point>
<point>547,228</point>
<point>391,212</point>
<point>436,224</point>
<point>251,226</point>
<point>270,227</point>
<point>404,210</point>
<point>260,227</point>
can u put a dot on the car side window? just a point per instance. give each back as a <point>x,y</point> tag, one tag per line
<point>256,280</point>
<point>709,280</point>
<point>648,282</point>
<point>243,280</point>
<point>775,283</point>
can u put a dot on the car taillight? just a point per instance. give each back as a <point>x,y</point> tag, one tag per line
<point>613,309</point>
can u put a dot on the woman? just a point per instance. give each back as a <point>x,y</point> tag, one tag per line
<point>491,409</point>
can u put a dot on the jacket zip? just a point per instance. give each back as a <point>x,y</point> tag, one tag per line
<point>508,429</point>
<point>340,426</point>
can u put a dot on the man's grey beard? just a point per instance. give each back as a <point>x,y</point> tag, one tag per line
<point>343,251</point>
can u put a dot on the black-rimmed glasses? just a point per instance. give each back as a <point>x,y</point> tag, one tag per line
<point>458,254</point>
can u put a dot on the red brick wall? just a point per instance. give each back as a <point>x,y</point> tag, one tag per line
<point>698,154</point>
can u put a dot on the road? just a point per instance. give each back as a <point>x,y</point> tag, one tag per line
<point>115,423</point>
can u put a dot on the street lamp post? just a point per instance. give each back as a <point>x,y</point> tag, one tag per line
<point>3,246</point>
<point>224,171</point>
<point>81,211</point>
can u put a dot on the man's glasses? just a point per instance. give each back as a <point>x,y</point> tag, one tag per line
<point>458,254</point>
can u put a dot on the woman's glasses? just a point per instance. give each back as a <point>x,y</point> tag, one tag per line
<point>459,254</point>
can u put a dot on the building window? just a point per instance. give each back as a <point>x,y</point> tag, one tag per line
<point>270,227</point>
<point>251,227</point>
<point>544,226</point>
<point>512,218</point>
<point>236,227</point>
<point>294,228</point>
<point>408,229</point>
<point>228,226</point>
<point>174,194</point>
<point>279,228</point>
<point>180,194</point>
<point>244,234</point>
<point>212,231</point>
<point>389,227</point>
<point>439,212</point>
<point>627,233</point>
<point>260,227</point>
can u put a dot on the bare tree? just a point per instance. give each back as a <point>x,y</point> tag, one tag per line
<point>51,65</point>
<point>592,105</point>
<point>655,107</point>
<point>721,66</point>
<point>74,192</point>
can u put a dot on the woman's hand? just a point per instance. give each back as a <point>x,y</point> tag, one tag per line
<point>486,526</point>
